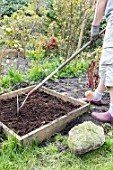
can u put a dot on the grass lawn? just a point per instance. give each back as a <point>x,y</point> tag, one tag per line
<point>54,155</point>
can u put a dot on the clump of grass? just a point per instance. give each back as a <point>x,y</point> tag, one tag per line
<point>16,156</point>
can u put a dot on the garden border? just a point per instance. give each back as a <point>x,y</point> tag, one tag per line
<point>49,129</point>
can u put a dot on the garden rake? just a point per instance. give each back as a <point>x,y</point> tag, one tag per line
<point>54,72</point>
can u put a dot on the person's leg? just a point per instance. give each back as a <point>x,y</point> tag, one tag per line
<point>111,101</point>
<point>106,116</point>
<point>111,94</point>
<point>95,97</point>
<point>101,87</point>
<point>106,72</point>
<point>99,91</point>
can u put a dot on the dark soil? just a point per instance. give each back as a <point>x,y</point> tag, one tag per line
<point>37,112</point>
<point>77,87</point>
<point>40,109</point>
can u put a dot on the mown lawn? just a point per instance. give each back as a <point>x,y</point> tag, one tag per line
<point>54,155</point>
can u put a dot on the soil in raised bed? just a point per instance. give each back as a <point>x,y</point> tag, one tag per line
<point>76,87</point>
<point>40,109</point>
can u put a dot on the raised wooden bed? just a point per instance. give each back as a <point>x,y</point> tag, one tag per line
<point>45,131</point>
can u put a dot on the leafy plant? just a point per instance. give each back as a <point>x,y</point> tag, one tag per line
<point>5,81</point>
<point>20,30</point>
<point>10,6</point>
<point>15,75</point>
<point>63,22</point>
<point>43,69</point>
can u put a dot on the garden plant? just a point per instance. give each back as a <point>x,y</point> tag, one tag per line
<point>46,39</point>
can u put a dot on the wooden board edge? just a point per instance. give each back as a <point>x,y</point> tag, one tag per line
<point>50,128</point>
<point>7,131</point>
<point>47,90</point>
<point>57,125</point>
<point>15,92</point>
<point>47,130</point>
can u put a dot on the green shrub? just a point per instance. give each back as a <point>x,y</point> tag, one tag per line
<point>63,22</point>
<point>19,30</point>
<point>7,7</point>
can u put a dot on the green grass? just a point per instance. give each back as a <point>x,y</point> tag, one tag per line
<point>13,156</point>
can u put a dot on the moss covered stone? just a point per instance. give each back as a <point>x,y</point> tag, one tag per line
<point>85,137</point>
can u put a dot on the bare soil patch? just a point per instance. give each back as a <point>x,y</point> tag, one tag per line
<point>76,87</point>
<point>40,109</point>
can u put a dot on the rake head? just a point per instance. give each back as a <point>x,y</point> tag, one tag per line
<point>23,103</point>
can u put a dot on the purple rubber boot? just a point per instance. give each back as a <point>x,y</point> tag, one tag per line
<point>94,102</point>
<point>103,117</point>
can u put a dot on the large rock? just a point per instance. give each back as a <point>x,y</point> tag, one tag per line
<point>85,137</point>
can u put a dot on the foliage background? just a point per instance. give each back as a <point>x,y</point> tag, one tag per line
<point>7,7</point>
<point>47,35</point>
